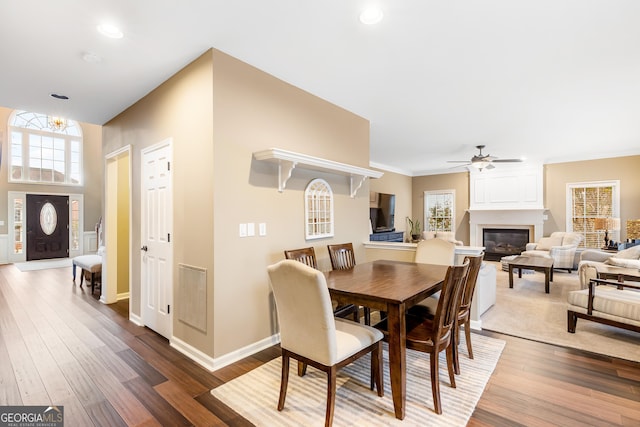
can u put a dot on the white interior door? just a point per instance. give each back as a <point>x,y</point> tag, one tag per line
<point>156,252</point>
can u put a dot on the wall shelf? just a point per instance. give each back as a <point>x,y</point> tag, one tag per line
<point>287,161</point>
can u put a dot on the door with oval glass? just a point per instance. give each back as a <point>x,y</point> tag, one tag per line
<point>47,226</point>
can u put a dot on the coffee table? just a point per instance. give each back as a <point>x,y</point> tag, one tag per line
<point>532,263</point>
<point>618,273</point>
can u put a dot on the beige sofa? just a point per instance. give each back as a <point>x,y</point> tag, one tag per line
<point>592,261</point>
<point>444,235</point>
<point>560,246</point>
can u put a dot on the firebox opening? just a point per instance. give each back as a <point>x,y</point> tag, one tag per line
<point>499,242</point>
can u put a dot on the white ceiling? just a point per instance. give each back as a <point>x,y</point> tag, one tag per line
<point>548,80</point>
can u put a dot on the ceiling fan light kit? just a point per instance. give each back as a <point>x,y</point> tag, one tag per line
<point>483,161</point>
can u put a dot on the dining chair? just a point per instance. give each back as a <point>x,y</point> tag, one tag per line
<point>435,251</point>
<point>310,333</point>
<point>428,307</point>
<point>343,258</point>
<point>307,256</point>
<point>434,334</point>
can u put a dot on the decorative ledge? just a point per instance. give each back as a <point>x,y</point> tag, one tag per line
<point>287,161</point>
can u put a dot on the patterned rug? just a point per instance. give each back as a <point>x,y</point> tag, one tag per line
<point>254,395</point>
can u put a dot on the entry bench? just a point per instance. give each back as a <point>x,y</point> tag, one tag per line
<point>606,301</point>
<point>89,264</point>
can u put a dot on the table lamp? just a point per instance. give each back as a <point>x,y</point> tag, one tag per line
<point>607,224</point>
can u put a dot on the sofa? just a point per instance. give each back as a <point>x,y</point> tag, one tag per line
<point>593,260</point>
<point>560,245</point>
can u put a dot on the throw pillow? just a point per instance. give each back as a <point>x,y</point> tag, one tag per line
<point>629,253</point>
<point>623,262</point>
<point>546,243</point>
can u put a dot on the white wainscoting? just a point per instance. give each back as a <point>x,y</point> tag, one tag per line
<point>506,188</point>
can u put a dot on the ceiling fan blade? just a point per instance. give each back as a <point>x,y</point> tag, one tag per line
<point>507,160</point>
<point>457,161</point>
<point>490,166</point>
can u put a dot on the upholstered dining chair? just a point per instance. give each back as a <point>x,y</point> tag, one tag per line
<point>343,258</point>
<point>307,256</point>
<point>435,334</point>
<point>435,251</point>
<point>311,334</point>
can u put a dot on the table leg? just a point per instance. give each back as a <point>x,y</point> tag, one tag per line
<point>397,357</point>
<point>519,272</point>
<point>551,274</point>
<point>547,274</point>
<point>510,276</point>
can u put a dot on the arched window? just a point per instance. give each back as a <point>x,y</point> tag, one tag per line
<point>44,149</point>
<point>318,200</point>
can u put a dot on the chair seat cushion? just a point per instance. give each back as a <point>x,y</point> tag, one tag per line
<point>352,337</point>
<point>90,263</point>
<point>620,303</point>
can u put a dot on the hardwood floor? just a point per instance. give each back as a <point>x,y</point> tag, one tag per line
<point>60,346</point>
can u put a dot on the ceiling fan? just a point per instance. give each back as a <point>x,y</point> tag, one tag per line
<point>483,161</point>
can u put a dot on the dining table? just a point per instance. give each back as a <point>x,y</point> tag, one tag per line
<point>391,287</point>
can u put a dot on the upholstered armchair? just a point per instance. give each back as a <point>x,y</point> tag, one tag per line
<point>561,246</point>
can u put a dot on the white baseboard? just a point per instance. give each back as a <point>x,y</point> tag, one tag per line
<point>214,364</point>
<point>476,325</point>
<point>134,318</point>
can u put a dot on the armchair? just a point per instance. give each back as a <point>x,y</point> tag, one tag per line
<point>561,246</point>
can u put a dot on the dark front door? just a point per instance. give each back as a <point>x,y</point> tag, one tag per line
<point>47,227</point>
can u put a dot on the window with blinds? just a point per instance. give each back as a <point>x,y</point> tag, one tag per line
<point>440,212</point>
<point>590,200</point>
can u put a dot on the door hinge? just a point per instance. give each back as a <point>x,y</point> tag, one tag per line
<point>168,309</point>
<point>168,166</point>
<point>168,237</point>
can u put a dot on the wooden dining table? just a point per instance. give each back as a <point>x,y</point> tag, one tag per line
<point>391,287</point>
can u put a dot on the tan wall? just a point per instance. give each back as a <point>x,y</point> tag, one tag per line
<point>219,111</point>
<point>123,210</point>
<point>254,111</point>
<point>558,175</point>
<point>181,109</point>
<point>93,175</point>
<point>451,181</point>
<point>400,185</point>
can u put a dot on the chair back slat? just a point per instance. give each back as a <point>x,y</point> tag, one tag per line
<point>306,256</point>
<point>342,256</point>
<point>449,301</point>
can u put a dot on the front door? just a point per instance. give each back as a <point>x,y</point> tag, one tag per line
<point>157,220</point>
<point>47,227</point>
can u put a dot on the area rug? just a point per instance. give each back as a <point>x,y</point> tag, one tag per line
<point>526,311</point>
<point>254,395</point>
<point>43,264</point>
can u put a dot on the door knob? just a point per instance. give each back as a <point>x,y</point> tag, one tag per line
<point>144,248</point>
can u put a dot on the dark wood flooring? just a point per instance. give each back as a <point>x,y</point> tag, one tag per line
<point>59,345</point>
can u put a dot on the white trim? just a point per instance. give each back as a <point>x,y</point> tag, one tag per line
<point>213,364</point>
<point>615,196</point>
<point>124,295</point>
<point>3,249</point>
<point>449,192</point>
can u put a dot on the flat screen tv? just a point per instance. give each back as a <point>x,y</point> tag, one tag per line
<point>381,211</point>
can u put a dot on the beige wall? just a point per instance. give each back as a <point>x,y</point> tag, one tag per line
<point>93,175</point>
<point>219,111</point>
<point>558,175</point>
<point>451,181</point>
<point>400,185</point>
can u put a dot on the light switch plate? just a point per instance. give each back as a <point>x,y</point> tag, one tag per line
<point>251,229</point>
<point>243,230</point>
<point>262,228</point>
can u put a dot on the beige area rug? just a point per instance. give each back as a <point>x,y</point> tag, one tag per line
<point>254,395</point>
<point>43,264</point>
<point>527,312</point>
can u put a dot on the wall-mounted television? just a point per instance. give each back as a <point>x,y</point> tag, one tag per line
<point>381,211</point>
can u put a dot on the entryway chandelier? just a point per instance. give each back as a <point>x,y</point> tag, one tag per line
<point>57,124</point>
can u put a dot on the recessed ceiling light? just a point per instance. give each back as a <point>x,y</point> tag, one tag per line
<point>91,57</point>
<point>110,31</point>
<point>58,96</point>
<point>371,15</point>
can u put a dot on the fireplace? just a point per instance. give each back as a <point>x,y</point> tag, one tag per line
<point>499,242</point>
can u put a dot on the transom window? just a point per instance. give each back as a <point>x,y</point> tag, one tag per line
<point>44,149</point>
<point>439,210</point>
<point>587,201</point>
<point>318,201</point>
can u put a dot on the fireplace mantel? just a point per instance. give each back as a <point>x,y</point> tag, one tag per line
<point>531,219</point>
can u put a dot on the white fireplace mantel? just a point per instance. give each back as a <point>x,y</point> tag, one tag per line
<point>528,219</point>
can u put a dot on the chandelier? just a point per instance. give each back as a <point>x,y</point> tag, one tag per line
<point>57,124</point>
